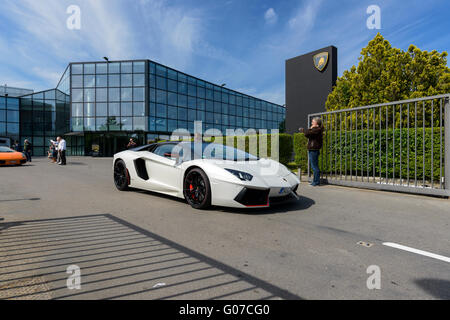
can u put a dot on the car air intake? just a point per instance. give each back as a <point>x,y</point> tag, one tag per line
<point>253,197</point>
<point>141,169</point>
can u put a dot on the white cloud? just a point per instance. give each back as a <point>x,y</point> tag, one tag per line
<point>305,17</point>
<point>271,16</point>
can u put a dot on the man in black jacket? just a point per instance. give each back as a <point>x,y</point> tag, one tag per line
<point>315,141</point>
<point>27,148</point>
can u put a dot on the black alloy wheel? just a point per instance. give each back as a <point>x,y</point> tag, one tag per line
<point>196,189</point>
<point>120,175</point>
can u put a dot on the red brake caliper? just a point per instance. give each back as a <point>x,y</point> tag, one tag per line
<point>191,187</point>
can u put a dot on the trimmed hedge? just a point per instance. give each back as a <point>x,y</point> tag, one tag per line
<point>301,153</point>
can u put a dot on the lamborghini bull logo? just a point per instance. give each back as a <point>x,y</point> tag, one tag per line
<point>321,60</point>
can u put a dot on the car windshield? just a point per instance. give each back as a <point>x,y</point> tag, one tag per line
<point>5,150</point>
<point>214,151</point>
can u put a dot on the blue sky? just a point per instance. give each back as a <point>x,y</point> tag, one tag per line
<point>243,43</point>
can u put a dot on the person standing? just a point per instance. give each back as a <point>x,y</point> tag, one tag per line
<point>315,141</point>
<point>61,151</point>
<point>27,148</point>
<point>16,146</point>
<point>55,155</point>
<point>131,144</point>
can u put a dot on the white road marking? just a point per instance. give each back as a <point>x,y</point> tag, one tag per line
<point>421,252</point>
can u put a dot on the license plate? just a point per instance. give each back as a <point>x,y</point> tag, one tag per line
<point>13,162</point>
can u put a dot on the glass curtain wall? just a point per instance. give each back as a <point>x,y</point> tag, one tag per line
<point>44,116</point>
<point>108,96</point>
<point>9,118</point>
<point>177,100</point>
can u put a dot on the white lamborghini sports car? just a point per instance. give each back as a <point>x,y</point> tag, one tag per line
<point>205,174</point>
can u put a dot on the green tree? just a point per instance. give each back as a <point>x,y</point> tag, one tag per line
<point>386,74</point>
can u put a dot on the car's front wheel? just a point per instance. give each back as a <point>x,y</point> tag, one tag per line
<point>120,175</point>
<point>196,189</point>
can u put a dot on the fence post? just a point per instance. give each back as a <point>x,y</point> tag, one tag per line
<point>447,143</point>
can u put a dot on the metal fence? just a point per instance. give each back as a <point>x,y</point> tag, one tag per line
<point>399,146</point>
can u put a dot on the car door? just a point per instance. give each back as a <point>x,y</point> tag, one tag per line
<point>163,170</point>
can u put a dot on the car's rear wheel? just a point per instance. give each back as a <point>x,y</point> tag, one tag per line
<point>196,189</point>
<point>120,175</point>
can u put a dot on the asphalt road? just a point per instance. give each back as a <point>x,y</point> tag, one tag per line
<point>140,245</point>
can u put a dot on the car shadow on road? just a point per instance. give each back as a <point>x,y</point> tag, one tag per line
<point>159,195</point>
<point>438,288</point>
<point>294,205</point>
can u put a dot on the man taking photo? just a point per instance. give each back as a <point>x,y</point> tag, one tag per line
<point>315,141</point>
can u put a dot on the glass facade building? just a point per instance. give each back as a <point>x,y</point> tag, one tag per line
<point>143,96</point>
<point>98,106</point>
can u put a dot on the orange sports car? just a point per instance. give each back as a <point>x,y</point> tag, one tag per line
<point>9,157</point>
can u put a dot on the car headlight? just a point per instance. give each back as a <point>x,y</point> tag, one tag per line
<point>244,176</point>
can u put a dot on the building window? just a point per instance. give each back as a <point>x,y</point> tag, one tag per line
<point>139,123</point>
<point>138,67</point>
<point>101,124</point>
<point>126,109</point>
<point>139,109</point>
<point>126,80</point>
<point>138,80</point>
<point>172,74</point>
<point>77,69</point>
<point>101,80</point>
<point>89,124</point>
<point>126,94</point>
<point>77,81</point>
<point>89,68</point>
<point>126,123</point>
<point>114,80</point>
<point>161,110</point>
<point>114,94</point>
<point>161,70</point>
<point>161,96</point>
<point>114,109</point>
<point>89,109</point>
<point>89,95</point>
<point>101,68</point>
<point>172,98</point>
<point>114,67</point>
<point>77,109</point>
<point>161,124</point>
<point>138,94</point>
<point>126,67</point>
<point>101,95</point>
<point>101,109</point>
